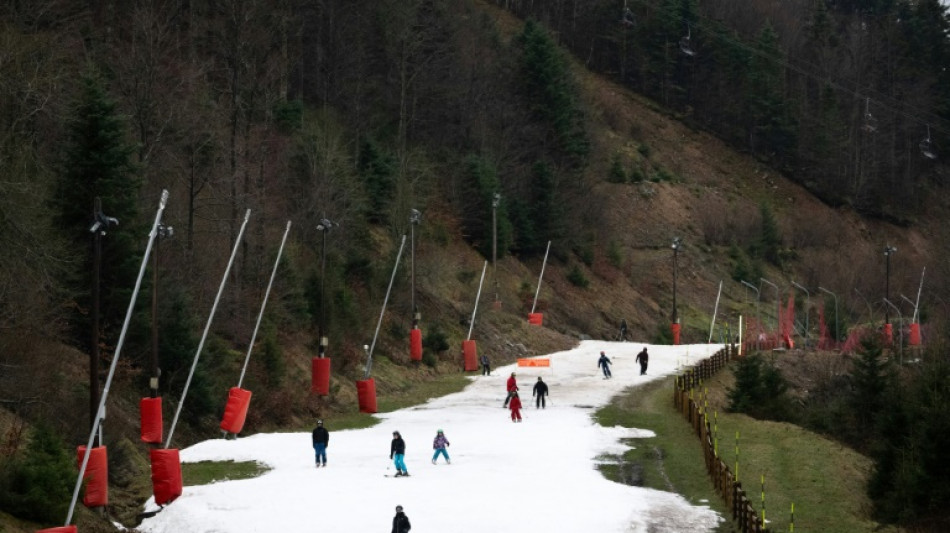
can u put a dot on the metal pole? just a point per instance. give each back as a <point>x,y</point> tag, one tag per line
<point>214,307</point>
<point>758,318</point>
<point>807,306</point>
<point>675,318</point>
<point>778,300</point>
<point>471,325</point>
<point>496,198</point>
<point>888,250</point>
<point>414,217</point>
<point>115,358</point>
<point>94,354</point>
<point>162,232</point>
<point>538,291</point>
<point>913,317</point>
<point>715,311</point>
<point>369,354</point>
<point>323,227</point>
<point>919,288</point>
<point>260,315</point>
<point>835,296</point>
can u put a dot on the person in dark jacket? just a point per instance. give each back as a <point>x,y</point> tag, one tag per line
<point>643,358</point>
<point>401,521</point>
<point>539,392</point>
<point>623,330</point>
<point>604,364</point>
<point>397,452</point>
<point>512,386</point>
<point>486,365</point>
<point>321,439</point>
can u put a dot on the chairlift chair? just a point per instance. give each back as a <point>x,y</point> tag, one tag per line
<point>870,123</point>
<point>627,18</point>
<point>685,44</point>
<point>926,146</point>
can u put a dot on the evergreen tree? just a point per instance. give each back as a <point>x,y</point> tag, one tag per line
<point>38,485</point>
<point>481,184</point>
<point>871,379</point>
<point>771,132</point>
<point>770,240</point>
<point>98,164</point>
<point>378,170</point>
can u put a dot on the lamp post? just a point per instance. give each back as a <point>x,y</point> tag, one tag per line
<point>807,305</point>
<point>835,296</point>
<point>888,251</point>
<point>496,199</point>
<point>758,319</point>
<point>414,217</point>
<point>100,224</point>
<point>323,227</point>
<point>677,243</point>
<point>161,232</point>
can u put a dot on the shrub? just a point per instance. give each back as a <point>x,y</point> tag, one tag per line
<point>435,341</point>
<point>614,254</point>
<point>760,390</point>
<point>577,277</point>
<point>38,486</point>
<point>616,174</point>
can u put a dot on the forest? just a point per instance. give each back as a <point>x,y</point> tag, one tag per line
<point>357,113</point>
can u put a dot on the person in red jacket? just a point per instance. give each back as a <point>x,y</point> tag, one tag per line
<point>512,386</point>
<point>515,407</point>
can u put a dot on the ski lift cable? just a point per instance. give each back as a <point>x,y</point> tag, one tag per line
<point>914,115</point>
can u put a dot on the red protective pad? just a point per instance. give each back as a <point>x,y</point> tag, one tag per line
<point>61,529</point>
<point>150,411</point>
<point>415,344</point>
<point>675,329</point>
<point>320,382</point>
<point>166,475</point>
<point>888,334</point>
<point>470,355</point>
<point>96,476</point>
<point>366,392</point>
<point>914,334</point>
<point>235,412</point>
<point>535,319</point>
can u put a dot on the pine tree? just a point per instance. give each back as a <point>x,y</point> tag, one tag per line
<point>98,164</point>
<point>38,485</point>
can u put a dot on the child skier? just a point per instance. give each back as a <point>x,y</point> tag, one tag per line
<point>515,406</point>
<point>439,444</point>
<point>397,452</point>
<point>604,363</point>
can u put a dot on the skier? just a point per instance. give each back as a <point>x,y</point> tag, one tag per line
<point>486,365</point>
<point>643,358</point>
<point>604,363</point>
<point>512,386</point>
<point>397,452</point>
<point>321,439</point>
<point>623,330</point>
<point>439,444</point>
<point>515,407</point>
<point>539,392</point>
<point>401,521</point>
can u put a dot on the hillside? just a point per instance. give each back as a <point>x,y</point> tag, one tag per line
<point>613,262</point>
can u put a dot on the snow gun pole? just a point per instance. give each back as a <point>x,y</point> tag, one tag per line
<point>471,324</point>
<point>115,358</point>
<point>919,288</point>
<point>260,315</point>
<point>369,354</point>
<point>214,307</point>
<point>715,310</point>
<point>543,264</point>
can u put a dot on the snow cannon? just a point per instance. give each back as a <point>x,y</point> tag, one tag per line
<point>535,319</point>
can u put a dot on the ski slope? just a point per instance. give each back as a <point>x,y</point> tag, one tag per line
<point>539,475</point>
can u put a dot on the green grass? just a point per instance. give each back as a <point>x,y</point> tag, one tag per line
<point>207,472</point>
<point>824,479</point>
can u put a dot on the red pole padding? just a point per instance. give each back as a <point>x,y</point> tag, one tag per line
<point>166,475</point>
<point>535,319</point>
<point>96,476</point>
<point>675,329</point>
<point>366,392</point>
<point>470,354</point>
<point>320,383</point>
<point>888,334</point>
<point>61,529</point>
<point>415,344</point>
<point>235,412</point>
<point>150,410</point>
<point>914,339</point>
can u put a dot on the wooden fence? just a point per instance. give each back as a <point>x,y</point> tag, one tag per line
<point>734,496</point>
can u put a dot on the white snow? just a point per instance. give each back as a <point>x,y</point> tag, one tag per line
<point>539,475</point>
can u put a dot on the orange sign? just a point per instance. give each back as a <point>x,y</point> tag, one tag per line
<point>534,362</point>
